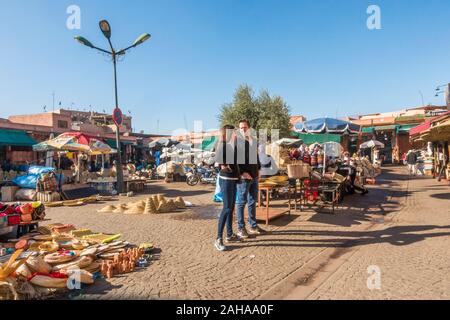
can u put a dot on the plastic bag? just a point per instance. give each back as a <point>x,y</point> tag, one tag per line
<point>37,170</point>
<point>218,196</point>
<point>26,194</point>
<point>28,181</point>
<point>26,208</point>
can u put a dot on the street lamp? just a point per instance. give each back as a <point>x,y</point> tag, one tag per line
<point>106,30</point>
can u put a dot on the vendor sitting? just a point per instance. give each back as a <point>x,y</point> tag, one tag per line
<point>349,171</point>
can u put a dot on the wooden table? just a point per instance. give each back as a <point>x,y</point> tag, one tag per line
<point>135,185</point>
<point>267,213</point>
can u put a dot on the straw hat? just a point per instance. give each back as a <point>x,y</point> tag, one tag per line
<point>109,208</point>
<point>163,208</point>
<point>179,202</point>
<point>161,198</point>
<point>171,206</point>
<point>120,208</point>
<point>155,201</point>
<point>150,207</point>
<point>135,209</point>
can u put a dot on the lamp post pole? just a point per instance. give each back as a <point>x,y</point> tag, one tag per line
<point>106,29</point>
<point>119,149</point>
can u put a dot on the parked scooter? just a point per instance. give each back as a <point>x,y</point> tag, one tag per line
<point>205,175</point>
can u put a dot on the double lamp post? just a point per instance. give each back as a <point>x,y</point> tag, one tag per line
<point>106,30</point>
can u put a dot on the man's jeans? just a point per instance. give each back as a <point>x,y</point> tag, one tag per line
<point>247,193</point>
<point>228,189</point>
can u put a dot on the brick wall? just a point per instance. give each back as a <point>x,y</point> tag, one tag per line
<point>403,144</point>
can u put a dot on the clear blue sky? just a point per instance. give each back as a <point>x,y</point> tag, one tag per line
<point>319,55</point>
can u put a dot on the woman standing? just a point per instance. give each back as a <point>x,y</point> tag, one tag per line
<point>226,158</point>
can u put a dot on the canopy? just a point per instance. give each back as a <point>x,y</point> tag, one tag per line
<point>209,143</point>
<point>66,143</point>
<point>327,125</point>
<point>72,141</point>
<point>311,138</point>
<point>98,147</point>
<point>15,138</point>
<point>371,144</point>
<point>289,142</point>
<point>163,142</point>
<point>405,128</point>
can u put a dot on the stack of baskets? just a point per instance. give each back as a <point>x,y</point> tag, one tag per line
<point>298,170</point>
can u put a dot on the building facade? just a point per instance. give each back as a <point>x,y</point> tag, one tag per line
<point>392,128</point>
<point>19,133</point>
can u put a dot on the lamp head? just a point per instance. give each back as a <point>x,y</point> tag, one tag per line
<point>84,41</point>
<point>106,28</point>
<point>141,39</point>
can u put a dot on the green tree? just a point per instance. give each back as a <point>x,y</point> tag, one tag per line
<point>263,111</point>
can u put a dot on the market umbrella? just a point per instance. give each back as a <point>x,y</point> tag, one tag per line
<point>67,143</point>
<point>371,144</point>
<point>163,142</point>
<point>327,125</point>
<point>97,147</point>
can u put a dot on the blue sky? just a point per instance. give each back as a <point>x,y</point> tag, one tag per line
<point>319,55</point>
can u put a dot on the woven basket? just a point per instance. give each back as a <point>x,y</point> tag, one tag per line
<point>7,291</point>
<point>298,171</point>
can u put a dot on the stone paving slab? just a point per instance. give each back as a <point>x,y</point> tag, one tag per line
<point>411,251</point>
<point>189,267</point>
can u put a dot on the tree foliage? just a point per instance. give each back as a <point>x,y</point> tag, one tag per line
<point>263,111</point>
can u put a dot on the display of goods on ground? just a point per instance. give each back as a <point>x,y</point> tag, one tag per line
<point>48,196</point>
<point>154,204</point>
<point>49,260</point>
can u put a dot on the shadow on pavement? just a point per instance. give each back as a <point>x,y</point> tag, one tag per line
<point>442,196</point>
<point>397,236</point>
<point>168,192</point>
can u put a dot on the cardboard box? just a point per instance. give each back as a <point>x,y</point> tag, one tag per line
<point>8,193</point>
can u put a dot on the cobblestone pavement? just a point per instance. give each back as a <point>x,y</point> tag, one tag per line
<point>411,250</point>
<point>189,267</point>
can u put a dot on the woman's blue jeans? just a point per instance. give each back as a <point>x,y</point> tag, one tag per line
<point>228,189</point>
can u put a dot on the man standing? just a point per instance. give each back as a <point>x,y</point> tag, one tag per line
<point>411,159</point>
<point>247,189</point>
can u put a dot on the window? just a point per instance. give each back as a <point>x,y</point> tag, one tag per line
<point>63,124</point>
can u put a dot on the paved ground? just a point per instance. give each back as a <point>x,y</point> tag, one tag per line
<point>411,251</point>
<point>401,226</point>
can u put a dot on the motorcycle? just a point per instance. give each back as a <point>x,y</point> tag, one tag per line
<point>201,174</point>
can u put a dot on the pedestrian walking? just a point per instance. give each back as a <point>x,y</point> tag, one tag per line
<point>441,163</point>
<point>411,160</point>
<point>247,188</point>
<point>226,159</point>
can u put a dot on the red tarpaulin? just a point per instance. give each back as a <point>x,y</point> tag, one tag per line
<point>81,137</point>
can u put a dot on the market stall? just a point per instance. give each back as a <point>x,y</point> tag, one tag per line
<point>57,258</point>
<point>266,187</point>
